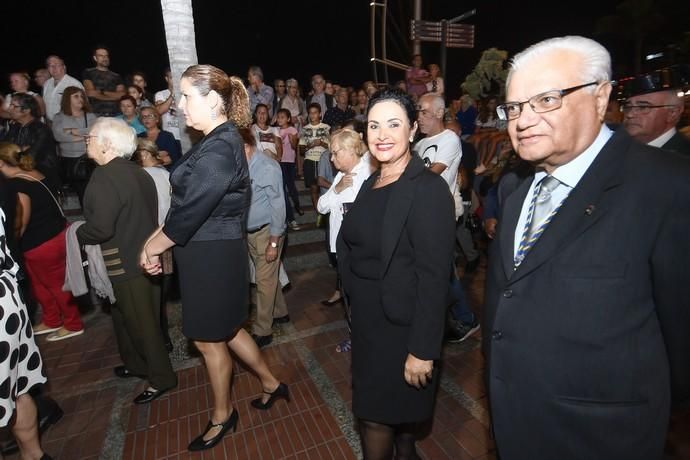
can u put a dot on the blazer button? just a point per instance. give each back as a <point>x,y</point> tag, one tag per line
<point>497,335</point>
<point>508,293</point>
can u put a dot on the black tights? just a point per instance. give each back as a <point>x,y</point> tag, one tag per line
<point>379,440</point>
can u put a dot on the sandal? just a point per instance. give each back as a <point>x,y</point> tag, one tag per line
<point>344,347</point>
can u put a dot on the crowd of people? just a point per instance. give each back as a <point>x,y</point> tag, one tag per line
<point>586,312</point>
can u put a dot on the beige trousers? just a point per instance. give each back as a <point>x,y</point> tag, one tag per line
<point>270,302</point>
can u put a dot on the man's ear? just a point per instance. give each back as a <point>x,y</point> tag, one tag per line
<point>602,93</point>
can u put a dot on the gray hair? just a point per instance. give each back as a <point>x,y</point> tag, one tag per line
<point>256,70</point>
<point>117,134</point>
<point>437,102</point>
<point>596,59</point>
<point>291,81</point>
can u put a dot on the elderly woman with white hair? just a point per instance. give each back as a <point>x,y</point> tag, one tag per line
<point>121,210</point>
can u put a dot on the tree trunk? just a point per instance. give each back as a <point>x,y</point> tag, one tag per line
<point>179,35</point>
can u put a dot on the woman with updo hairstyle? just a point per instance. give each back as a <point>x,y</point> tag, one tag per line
<point>206,226</point>
<point>42,242</point>
<point>394,252</point>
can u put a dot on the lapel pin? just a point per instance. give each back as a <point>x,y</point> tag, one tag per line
<point>589,210</point>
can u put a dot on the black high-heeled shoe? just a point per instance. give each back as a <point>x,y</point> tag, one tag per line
<point>199,443</point>
<point>280,392</point>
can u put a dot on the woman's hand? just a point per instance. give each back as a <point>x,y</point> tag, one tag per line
<point>345,182</point>
<point>150,263</point>
<point>418,371</point>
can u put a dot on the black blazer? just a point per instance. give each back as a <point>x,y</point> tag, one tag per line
<point>210,190</point>
<point>679,144</point>
<point>587,338</point>
<point>417,252</point>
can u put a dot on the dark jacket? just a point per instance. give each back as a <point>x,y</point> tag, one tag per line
<point>210,190</point>
<point>121,212</point>
<point>417,241</point>
<point>679,144</point>
<point>42,148</point>
<point>587,339</point>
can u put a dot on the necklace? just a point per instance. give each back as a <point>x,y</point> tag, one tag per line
<point>382,178</point>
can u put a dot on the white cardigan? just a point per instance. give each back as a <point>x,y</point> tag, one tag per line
<point>332,202</point>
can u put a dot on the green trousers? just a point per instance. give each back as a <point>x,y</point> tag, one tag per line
<point>136,317</point>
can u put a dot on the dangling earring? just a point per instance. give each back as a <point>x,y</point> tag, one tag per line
<point>411,138</point>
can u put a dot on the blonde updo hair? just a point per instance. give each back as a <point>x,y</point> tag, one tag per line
<point>230,88</point>
<point>349,139</point>
<point>145,145</point>
<point>12,155</point>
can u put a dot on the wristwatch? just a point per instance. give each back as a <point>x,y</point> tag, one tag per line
<point>274,244</point>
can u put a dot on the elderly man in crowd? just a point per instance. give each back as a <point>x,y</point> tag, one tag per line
<point>56,84</point>
<point>319,96</point>
<point>259,92</point>
<point>587,302</point>
<point>265,237</point>
<point>653,110</point>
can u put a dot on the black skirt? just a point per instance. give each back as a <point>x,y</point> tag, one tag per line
<point>214,285</point>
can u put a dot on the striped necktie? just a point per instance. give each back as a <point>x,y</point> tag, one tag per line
<point>541,210</point>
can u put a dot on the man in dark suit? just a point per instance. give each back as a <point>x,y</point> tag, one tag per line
<point>588,293</point>
<point>653,108</point>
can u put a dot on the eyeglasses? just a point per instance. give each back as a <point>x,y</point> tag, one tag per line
<point>148,117</point>
<point>642,109</point>
<point>280,86</point>
<point>15,106</point>
<point>541,103</point>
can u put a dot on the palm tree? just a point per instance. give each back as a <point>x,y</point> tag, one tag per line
<point>179,35</point>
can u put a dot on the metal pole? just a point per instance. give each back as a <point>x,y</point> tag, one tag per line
<point>372,28</point>
<point>416,44</point>
<point>444,36</point>
<point>384,16</point>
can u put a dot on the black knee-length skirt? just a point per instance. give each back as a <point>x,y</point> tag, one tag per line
<point>214,285</point>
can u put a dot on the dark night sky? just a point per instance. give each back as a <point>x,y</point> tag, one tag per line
<point>285,38</point>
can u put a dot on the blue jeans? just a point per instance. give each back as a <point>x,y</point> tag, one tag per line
<point>461,309</point>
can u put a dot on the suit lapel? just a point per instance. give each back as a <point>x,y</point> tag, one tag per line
<point>583,207</point>
<point>508,222</point>
<point>397,210</point>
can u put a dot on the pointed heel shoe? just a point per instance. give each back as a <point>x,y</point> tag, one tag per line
<point>280,392</point>
<point>199,443</point>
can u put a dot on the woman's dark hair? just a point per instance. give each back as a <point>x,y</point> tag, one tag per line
<point>287,113</point>
<point>66,105</point>
<point>231,90</point>
<point>138,88</point>
<point>484,113</point>
<point>399,97</point>
<point>134,74</point>
<point>247,136</point>
<point>129,98</point>
<point>256,110</point>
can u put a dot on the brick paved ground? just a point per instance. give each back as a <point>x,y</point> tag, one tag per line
<point>101,422</point>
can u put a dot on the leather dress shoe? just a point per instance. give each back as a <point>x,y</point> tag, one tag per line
<point>124,373</point>
<point>148,395</point>
<point>280,392</point>
<point>262,340</point>
<point>199,443</point>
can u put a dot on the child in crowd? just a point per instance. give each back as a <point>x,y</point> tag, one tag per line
<point>290,138</point>
<point>313,140</point>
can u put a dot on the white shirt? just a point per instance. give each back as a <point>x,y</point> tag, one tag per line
<point>161,177</point>
<point>169,120</point>
<point>52,93</point>
<point>444,148</point>
<point>664,138</point>
<point>568,174</point>
<point>332,202</point>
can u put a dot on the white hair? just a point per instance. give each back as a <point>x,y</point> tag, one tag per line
<point>596,59</point>
<point>116,134</point>
<point>436,101</point>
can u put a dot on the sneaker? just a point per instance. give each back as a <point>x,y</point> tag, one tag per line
<point>42,328</point>
<point>459,332</point>
<point>294,225</point>
<point>62,334</point>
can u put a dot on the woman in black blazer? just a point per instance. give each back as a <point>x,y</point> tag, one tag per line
<point>395,246</point>
<point>210,198</point>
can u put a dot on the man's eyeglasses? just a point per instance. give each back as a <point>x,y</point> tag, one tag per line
<point>642,109</point>
<point>541,103</point>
